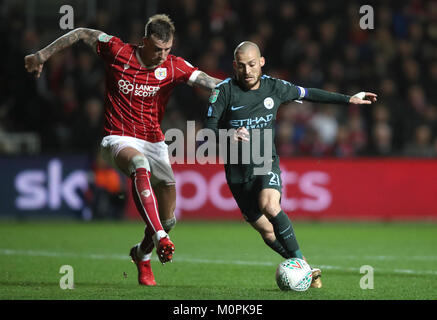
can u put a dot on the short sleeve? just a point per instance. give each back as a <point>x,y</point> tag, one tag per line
<point>185,71</point>
<point>108,47</point>
<point>218,102</point>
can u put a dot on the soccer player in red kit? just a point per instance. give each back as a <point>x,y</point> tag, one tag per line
<point>139,82</point>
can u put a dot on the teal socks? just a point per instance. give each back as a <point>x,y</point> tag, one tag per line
<point>285,236</point>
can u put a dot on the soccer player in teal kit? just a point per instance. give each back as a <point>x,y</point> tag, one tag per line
<point>247,102</point>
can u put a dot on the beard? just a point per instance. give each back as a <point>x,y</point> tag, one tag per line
<point>249,85</point>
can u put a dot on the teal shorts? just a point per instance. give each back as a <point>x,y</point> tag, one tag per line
<point>246,194</point>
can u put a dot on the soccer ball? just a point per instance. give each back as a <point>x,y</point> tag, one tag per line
<point>294,274</point>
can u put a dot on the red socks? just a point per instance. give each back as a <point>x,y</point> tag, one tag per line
<point>145,199</point>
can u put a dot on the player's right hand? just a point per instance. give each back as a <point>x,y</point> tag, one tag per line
<point>33,64</point>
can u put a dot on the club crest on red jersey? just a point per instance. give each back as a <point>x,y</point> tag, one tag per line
<point>161,73</point>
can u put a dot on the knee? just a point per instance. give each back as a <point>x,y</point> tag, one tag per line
<point>168,224</point>
<point>270,208</point>
<point>137,162</point>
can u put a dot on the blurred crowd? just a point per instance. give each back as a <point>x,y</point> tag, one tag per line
<point>309,43</point>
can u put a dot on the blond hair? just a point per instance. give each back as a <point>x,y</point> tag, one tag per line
<point>160,26</point>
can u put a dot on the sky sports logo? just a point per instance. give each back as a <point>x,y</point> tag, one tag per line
<point>141,90</point>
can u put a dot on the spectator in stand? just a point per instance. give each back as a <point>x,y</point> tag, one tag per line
<point>381,143</point>
<point>104,196</point>
<point>344,147</point>
<point>398,54</point>
<point>87,127</point>
<point>421,146</point>
<point>325,124</point>
<point>357,131</point>
<point>284,139</point>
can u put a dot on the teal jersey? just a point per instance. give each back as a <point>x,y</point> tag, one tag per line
<point>231,107</point>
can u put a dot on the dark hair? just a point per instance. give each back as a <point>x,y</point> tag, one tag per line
<point>160,26</point>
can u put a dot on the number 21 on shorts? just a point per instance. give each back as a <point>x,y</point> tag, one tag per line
<point>274,180</point>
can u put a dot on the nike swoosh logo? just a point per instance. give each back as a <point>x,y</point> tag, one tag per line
<point>233,108</point>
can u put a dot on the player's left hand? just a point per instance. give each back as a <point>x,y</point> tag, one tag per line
<point>241,134</point>
<point>363,98</point>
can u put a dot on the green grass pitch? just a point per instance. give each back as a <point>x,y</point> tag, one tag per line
<point>216,261</point>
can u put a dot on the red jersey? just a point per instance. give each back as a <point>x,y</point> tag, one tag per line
<point>136,97</point>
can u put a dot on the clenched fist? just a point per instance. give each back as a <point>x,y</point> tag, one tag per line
<point>33,64</point>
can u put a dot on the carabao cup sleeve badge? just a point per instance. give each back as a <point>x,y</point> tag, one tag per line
<point>214,95</point>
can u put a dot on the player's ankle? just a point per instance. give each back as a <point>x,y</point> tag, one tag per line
<point>143,256</point>
<point>158,235</point>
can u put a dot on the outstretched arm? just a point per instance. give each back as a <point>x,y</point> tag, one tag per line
<point>205,81</point>
<point>318,95</point>
<point>34,62</point>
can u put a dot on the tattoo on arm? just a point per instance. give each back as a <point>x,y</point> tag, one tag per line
<point>205,81</point>
<point>89,36</point>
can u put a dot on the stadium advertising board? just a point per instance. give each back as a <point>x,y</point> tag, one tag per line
<point>45,187</point>
<point>367,189</point>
